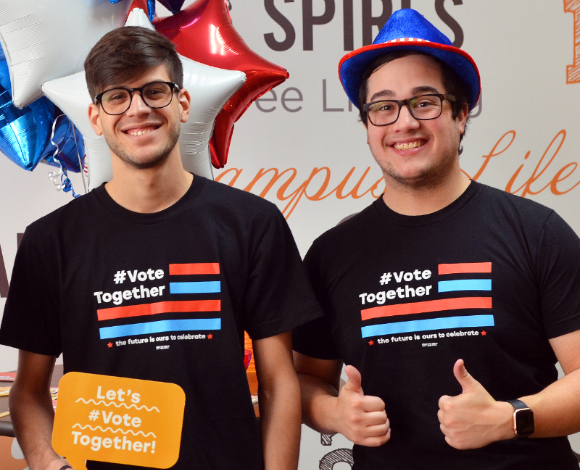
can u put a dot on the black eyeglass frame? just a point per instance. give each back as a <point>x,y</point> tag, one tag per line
<point>407,102</point>
<point>172,85</point>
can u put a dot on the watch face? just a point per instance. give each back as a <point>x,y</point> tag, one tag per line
<point>524,422</point>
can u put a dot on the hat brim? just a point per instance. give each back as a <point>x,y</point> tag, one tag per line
<point>353,64</point>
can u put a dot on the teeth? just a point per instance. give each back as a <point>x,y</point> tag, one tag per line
<point>408,145</point>
<point>139,132</point>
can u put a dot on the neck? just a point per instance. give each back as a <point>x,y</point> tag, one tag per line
<point>424,199</point>
<point>148,190</point>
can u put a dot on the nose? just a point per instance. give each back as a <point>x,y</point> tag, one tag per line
<point>138,106</point>
<point>406,119</point>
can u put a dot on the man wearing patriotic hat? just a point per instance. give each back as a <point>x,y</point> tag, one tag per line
<point>440,276</point>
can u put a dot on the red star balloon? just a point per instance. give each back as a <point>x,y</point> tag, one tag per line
<point>143,5</point>
<point>204,32</point>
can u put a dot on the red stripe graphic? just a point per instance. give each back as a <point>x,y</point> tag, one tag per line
<point>175,306</point>
<point>425,307</point>
<point>458,268</point>
<point>194,268</point>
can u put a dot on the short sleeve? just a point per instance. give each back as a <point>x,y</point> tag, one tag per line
<point>558,272</point>
<point>31,320</point>
<point>278,295</point>
<point>315,338</point>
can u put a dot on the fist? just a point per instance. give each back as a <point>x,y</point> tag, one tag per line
<point>362,418</point>
<point>472,419</point>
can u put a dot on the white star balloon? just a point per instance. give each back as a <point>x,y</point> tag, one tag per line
<point>209,87</point>
<point>137,17</point>
<point>47,39</point>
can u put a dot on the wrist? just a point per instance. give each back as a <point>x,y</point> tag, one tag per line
<point>523,419</point>
<point>505,421</point>
<point>58,464</point>
<point>335,425</point>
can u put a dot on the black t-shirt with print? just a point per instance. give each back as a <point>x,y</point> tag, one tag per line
<point>489,279</point>
<point>165,297</point>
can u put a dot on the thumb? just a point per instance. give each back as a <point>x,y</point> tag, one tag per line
<point>465,379</point>
<point>354,380</point>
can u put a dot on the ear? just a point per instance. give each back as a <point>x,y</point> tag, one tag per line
<point>462,118</point>
<point>95,119</point>
<point>366,129</point>
<point>185,104</point>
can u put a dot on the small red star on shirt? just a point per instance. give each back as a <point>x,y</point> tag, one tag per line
<point>483,333</point>
<point>371,342</point>
<point>110,345</point>
<point>209,336</point>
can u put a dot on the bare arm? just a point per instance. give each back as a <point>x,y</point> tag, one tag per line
<point>557,407</point>
<point>32,412</point>
<point>474,419</point>
<point>360,418</point>
<point>279,400</point>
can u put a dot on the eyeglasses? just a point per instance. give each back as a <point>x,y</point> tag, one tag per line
<point>422,108</point>
<point>118,100</point>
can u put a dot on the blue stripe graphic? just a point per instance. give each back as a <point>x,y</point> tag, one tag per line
<point>210,287</point>
<point>160,327</point>
<point>470,321</point>
<point>465,284</point>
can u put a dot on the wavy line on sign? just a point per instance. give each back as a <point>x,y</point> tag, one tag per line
<point>114,431</point>
<point>117,405</point>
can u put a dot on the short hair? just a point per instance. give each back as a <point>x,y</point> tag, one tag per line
<point>125,54</point>
<point>451,81</point>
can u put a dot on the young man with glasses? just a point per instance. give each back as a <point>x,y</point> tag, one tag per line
<point>155,275</point>
<point>439,276</point>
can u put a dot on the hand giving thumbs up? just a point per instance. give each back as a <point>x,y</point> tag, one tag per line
<point>473,419</point>
<point>362,418</point>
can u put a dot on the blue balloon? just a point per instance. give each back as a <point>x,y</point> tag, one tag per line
<point>25,134</point>
<point>66,147</point>
<point>4,72</point>
<point>172,5</point>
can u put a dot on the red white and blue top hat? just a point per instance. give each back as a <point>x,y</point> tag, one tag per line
<point>409,30</point>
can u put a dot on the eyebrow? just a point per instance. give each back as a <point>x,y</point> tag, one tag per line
<point>112,87</point>
<point>415,91</point>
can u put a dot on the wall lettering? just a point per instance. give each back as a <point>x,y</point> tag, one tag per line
<point>313,25</point>
<point>3,277</point>
<point>573,71</point>
<point>4,285</point>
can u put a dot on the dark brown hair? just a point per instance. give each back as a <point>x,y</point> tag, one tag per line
<point>125,54</point>
<point>451,81</point>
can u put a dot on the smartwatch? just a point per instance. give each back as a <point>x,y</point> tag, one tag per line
<point>523,419</point>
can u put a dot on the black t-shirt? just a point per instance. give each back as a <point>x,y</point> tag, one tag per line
<point>96,282</point>
<point>490,278</point>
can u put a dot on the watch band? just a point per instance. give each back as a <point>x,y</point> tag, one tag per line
<point>518,404</point>
<point>523,423</point>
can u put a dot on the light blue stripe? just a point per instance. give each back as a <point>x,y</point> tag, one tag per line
<point>209,287</point>
<point>160,327</point>
<point>470,321</point>
<point>465,284</point>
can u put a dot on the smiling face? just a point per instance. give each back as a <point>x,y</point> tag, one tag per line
<point>143,137</point>
<point>410,152</point>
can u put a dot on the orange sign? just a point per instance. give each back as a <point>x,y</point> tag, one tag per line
<point>573,71</point>
<point>118,420</point>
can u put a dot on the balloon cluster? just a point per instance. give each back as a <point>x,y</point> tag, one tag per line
<point>25,134</point>
<point>42,41</point>
<point>46,44</point>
